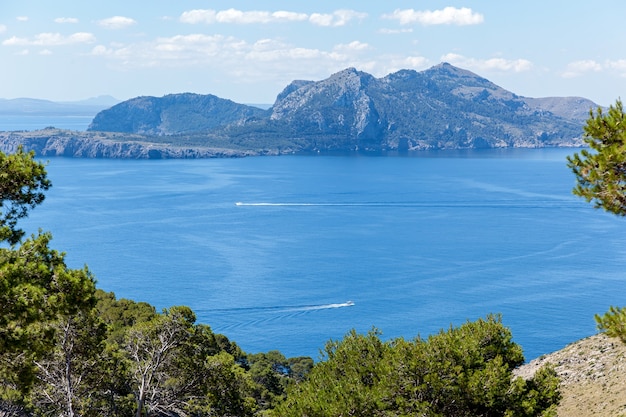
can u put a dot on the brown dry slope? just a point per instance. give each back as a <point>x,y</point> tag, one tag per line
<point>593,377</point>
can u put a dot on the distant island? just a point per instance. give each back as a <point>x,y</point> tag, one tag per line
<point>32,106</point>
<point>443,107</point>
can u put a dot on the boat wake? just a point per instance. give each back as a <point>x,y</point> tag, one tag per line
<point>514,204</point>
<point>323,306</point>
<point>306,307</point>
<point>339,204</point>
<point>240,317</point>
<point>239,203</point>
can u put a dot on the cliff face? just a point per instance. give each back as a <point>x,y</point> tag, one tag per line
<point>340,106</point>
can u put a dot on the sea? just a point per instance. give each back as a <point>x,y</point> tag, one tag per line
<point>35,121</point>
<point>289,252</point>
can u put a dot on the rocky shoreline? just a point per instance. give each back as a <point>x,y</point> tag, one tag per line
<point>58,142</point>
<point>78,144</point>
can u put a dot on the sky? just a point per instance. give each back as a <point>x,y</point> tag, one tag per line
<point>248,51</point>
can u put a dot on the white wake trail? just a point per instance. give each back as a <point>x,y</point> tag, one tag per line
<point>323,306</point>
<point>239,203</point>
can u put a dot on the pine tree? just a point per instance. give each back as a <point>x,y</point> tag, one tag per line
<point>601,178</point>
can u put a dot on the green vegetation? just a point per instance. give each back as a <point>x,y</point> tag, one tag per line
<point>601,179</point>
<point>613,322</point>
<point>465,371</point>
<point>601,172</point>
<point>69,349</point>
<point>22,183</point>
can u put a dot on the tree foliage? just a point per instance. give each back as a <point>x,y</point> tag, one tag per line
<point>22,184</point>
<point>613,322</point>
<point>601,171</point>
<point>601,179</point>
<point>465,371</point>
<point>70,374</point>
<point>37,289</point>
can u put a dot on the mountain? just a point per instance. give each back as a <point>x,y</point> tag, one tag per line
<point>443,107</point>
<point>173,114</point>
<point>574,108</point>
<point>31,106</point>
<point>440,108</point>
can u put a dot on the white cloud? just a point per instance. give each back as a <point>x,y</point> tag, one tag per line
<point>619,65</point>
<point>22,18</point>
<point>66,20</point>
<point>392,63</point>
<point>321,19</point>
<point>589,66</point>
<point>395,31</point>
<point>117,22</point>
<point>289,16</point>
<point>578,68</point>
<point>277,53</point>
<point>445,16</point>
<point>260,60</point>
<point>209,16</point>
<point>239,16</point>
<point>352,46</point>
<point>337,18</point>
<point>198,16</point>
<point>492,64</point>
<point>585,66</point>
<point>3,28</point>
<point>100,50</point>
<point>51,39</point>
<point>271,61</point>
<point>414,62</point>
<point>45,52</point>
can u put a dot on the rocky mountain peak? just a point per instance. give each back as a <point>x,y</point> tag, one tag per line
<point>442,107</point>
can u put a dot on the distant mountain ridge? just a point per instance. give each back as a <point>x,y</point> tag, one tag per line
<point>32,106</point>
<point>440,108</point>
<point>443,107</point>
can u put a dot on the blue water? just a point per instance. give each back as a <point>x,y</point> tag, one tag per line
<point>267,250</point>
<point>37,121</point>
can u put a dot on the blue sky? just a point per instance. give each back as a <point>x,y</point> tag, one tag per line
<point>248,51</point>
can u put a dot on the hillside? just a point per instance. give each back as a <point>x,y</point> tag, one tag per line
<point>593,377</point>
<point>173,114</point>
<point>444,107</point>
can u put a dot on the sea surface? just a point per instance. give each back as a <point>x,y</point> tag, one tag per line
<point>38,121</point>
<point>289,252</point>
